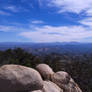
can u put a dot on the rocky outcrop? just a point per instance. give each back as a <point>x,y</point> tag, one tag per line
<point>45,71</point>
<point>51,87</point>
<point>61,78</point>
<point>65,82</point>
<point>16,78</point>
<point>74,86</point>
<point>36,91</point>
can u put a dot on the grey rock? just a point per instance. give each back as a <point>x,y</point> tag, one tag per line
<point>61,78</point>
<point>65,82</point>
<point>51,87</point>
<point>16,78</point>
<point>36,91</point>
<point>45,71</point>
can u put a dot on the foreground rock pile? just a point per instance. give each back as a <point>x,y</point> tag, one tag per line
<point>16,78</point>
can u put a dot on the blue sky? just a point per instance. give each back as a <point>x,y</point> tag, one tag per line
<point>45,20</point>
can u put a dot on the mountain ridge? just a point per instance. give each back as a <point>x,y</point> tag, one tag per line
<point>45,48</point>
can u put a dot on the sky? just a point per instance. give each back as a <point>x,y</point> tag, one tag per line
<point>45,21</point>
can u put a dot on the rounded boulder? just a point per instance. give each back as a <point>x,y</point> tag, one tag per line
<point>61,78</point>
<point>36,91</point>
<point>45,71</point>
<point>51,87</point>
<point>16,78</point>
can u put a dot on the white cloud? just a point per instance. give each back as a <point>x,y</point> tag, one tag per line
<point>12,8</point>
<point>58,34</point>
<point>87,22</point>
<point>75,6</point>
<point>4,13</point>
<point>89,12</point>
<point>49,33</point>
<point>5,28</point>
<point>16,9</point>
<point>37,22</point>
<point>17,28</point>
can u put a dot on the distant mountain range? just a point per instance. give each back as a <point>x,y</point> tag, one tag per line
<point>45,48</point>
